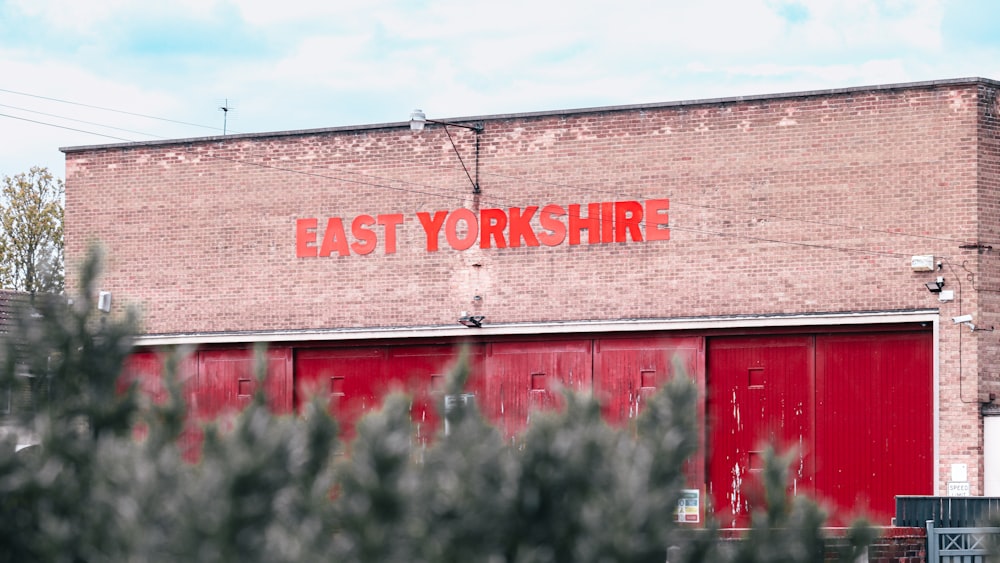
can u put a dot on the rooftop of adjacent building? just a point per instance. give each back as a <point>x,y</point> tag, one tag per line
<point>10,301</point>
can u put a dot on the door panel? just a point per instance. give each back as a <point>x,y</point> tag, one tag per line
<point>350,380</point>
<point>227,381</point>
<point>522,377</point>
<point>421,371</point>
<point>760,393</point>
<point>874,422</point>
<point>630,370</point>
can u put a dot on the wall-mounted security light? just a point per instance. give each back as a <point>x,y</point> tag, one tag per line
<point>967,321</point>
<point>104,301</point>
<point>417,122</point>
<point>922,263</point>
<point>935,286</point>
<point>418,119</point>
<point>471,321</point>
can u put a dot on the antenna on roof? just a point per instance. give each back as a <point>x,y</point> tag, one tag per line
<point>225,107</point>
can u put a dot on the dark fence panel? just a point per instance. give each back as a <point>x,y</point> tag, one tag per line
<point>946,512</point>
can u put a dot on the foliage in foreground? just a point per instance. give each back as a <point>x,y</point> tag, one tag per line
<point>275,488</point>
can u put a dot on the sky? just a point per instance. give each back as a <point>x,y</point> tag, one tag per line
<point>93,72</point>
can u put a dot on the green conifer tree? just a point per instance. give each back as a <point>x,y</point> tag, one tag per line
<point>278,488</point>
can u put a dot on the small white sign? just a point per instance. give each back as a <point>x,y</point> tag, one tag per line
<point>958,489</point>
<point>959,472</point>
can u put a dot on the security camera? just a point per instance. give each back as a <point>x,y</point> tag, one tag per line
<point>962,319</point>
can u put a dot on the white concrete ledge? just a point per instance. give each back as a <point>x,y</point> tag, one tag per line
<point>929,316</point>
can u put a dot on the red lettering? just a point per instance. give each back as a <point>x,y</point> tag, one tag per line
<point>591,223</point>
<point>432,227</point>
<point>305,238</point>
<point>555,230</point>
<point>607,221</point>
<point>471,229</point>
<point>628,217</point>
<point>492,222</point>
<point>514,227</point>
<point>367,239</point>
<point>390,222</point>
<point>520,226</point>
<point>334,238</point>
<point>657,220</point>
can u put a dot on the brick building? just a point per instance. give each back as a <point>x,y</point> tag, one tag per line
<point>781,248</point>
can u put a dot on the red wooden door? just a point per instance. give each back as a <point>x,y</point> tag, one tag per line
<point>522,377</point>
<point>351,380</point>
<point>421,371</point>
<point>629,370</point>
<point>227,381</point>
<point>760,392</point>
<point>224,383</point>
<point>144,369</point>
<point>875,435</point>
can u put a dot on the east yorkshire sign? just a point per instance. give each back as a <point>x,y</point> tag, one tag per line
<point>514,227</point>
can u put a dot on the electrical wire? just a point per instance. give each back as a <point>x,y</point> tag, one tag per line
<point>464,198</point>
<point>969,275</point>
<point>381,183</point>
<point>113,110</point>
<point>81,121</point>
<point>64,127</point>
<point>674,201</point>
<point>283,169</point>
<point>794,243</point>
<point>961,393</point>
<point>458,197</point>
<point>555,184</point>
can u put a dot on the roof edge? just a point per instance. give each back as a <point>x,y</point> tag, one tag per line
<point>549,113</point>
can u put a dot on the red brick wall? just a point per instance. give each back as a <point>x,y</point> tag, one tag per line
<point>898,545</point>
<point>789,204</point>
<point>763,195</point>
<point>893,545</point>
<point>986,284</point>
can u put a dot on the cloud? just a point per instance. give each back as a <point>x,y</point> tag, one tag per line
<point>27,143</point>
<point>298,64</point>
<point>859,26</point>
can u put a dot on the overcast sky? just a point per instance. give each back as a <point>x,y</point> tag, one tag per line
<point>130,70</point>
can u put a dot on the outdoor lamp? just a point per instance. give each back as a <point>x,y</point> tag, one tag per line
<point>935,286</point>
<point>471,321</point>
<point>417,122</point>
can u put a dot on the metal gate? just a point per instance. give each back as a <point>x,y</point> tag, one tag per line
<point>961,545</point>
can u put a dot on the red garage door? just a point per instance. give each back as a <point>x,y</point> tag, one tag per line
<point>350,379</point>
<point>629,370</point>
<point>355,380</point>
<point>856,408</point>
<point>875,434</point>
<point>226,381</point>
<point>421,372</point>
<point>524,376</point>
<point>759,392</point>
<point>216,382</point>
